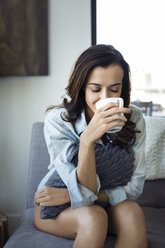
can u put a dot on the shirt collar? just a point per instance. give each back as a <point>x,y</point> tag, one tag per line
<point>80,123</point>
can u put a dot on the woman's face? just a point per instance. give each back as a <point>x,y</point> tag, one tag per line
<point>102,83</point>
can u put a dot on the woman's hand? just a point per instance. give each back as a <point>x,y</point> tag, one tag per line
<point>102,196</point>
<point>103,120</point>
<point>50,196</point>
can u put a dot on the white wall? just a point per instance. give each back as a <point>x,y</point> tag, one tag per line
<point>23,100</point>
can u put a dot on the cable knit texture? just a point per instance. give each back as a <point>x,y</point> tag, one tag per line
<point>155,147</point>
<point>114,166</point>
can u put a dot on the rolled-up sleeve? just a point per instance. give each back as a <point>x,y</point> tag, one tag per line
<point>134,188</point>
<point>116,195</point>
<point>61,142</point>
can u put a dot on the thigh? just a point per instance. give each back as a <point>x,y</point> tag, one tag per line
<point>64,225</point>
<point>68,222</point>
<point>125,217</point>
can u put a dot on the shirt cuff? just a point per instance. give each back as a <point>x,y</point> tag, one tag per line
<point>80,196</point>
<point>98,184</point>
<point>116,195</point>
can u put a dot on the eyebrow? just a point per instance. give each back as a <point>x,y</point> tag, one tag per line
<point>116,84</point>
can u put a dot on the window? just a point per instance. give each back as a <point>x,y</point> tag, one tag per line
<point>136,29</point>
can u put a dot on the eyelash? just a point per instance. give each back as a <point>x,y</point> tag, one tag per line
<point>95,90</point>
<point>114,91</point>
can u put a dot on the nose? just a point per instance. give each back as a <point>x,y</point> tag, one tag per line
<point>105,94</point>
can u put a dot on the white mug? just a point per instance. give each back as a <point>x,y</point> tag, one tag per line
<point>103,102</point>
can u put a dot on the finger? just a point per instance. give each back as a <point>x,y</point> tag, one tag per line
<point>47,204</point>
<point>39,200</point>
<point>44,204</point>
<point>109,106</point>
<point>36,203</point>
<point>44,199</point>
<point>116,110</point>
<point>41,195</point>
<point>42,190</point>
<point>115,124</point>
<point>116,117</point>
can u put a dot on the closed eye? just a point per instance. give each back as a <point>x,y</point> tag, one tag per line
<point>95,90</point>
<point>111,90</point>
<point>114,90</point>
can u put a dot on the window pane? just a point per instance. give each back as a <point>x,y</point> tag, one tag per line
<point>136,29</point>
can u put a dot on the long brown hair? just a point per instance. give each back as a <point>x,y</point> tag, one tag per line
<point>98,55</point>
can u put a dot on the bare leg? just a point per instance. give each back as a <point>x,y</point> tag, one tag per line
<point>87,225</point>
<point>127,221</point>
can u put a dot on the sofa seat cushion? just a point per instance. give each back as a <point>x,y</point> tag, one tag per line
<point>155,221</point>
<point>27,236</point>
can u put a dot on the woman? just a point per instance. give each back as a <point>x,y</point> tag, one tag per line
<point>75,132</point>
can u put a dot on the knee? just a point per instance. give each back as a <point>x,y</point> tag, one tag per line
<point>129,224</point>
<point>132,219</point>
<point>135,225</point>
<point>93,218</point>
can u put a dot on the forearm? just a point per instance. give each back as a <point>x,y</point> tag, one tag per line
<point>86,169</point>
<point>102,196</point>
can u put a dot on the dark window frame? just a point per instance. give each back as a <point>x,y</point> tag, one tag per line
<point>93,22</point>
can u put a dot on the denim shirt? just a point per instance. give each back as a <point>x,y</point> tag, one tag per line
<point>62,138</point>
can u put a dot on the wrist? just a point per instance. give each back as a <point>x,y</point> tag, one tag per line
<point>85,140</point>
<point>67,196</point>
<point>102,196</point>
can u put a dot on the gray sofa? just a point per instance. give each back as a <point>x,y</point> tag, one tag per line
<point>152,201</point>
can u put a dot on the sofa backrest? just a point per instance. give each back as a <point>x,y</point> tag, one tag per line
<point>153,194</point>
<point>155,147</point>
<point>38,161</point>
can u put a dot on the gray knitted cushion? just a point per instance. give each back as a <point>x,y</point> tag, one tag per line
<point>114,166</point>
